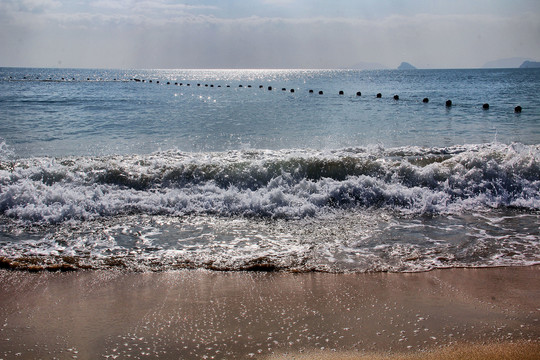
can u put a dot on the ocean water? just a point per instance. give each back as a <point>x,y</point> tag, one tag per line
<point>170,169</point>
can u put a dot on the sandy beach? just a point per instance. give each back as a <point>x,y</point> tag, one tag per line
<point>444,314</point>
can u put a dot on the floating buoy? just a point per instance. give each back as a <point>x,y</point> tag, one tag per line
<point>358,93</point>
<point>240,86</point>
<point>283,89</point>
<point>485,106</point>
<point>517,109</point>
<point>260,86</point>
<point>292,90</point>
<point>168,83</point>
<point>269,88</point>
<point>157,82</point>
<point>341,92</point>
<point>448,103</point>
<point>149,80</point>
<point>379,95</point>
<point>212,85</point>
<point>310,91</point>
<point>425,100</point>
<point>249,86</point>
<point>206,85</point>
<point>176,83</point>
<point>320,92</point>
<point>396,97</point>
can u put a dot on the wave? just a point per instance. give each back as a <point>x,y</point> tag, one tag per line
<point>289,184</point>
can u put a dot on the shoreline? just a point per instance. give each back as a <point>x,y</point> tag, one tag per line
<point>193,314</point>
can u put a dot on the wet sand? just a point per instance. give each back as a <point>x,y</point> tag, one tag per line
<point>478,313</point>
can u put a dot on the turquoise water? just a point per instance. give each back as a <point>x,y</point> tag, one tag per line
<point>134,168</point>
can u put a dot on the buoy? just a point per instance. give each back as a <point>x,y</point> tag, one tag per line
<point>485,106</point>
<point>517,109</point>
<point>379,95</point>
<point>320,92</point>
<point>198,84</point>
<point>292,90</point>
<point>168,83</point>
<point>240,86</point>
<point>448,103</point>
<point>283,89</point>
<point>358,93</point>
<point>149,80</point>
<point>249,86</point>
<point>188,84</point>
<point>310,91</point>
<point>341,92</point>
<point>157,82</point>
<point>425,100</point>
<point>206,85</point>
<point>260,86</point>
<point>228,85</point>
<point>396,97</point>
<point>176,83</point>
<point>269,88</point>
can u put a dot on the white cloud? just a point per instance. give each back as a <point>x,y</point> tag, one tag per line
<point>129,33</point>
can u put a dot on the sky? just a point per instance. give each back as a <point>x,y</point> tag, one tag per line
<point>316,34</point>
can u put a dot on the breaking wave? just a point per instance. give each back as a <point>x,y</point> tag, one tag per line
<point>275,184</point>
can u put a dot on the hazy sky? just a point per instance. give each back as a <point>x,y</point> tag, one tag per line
<point>266,33</point>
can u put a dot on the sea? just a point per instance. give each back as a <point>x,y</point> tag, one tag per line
<point>269,170</point>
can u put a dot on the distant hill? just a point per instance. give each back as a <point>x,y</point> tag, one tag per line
<point>406,66</point>
<point>368,66</point>
<point>530,64</point>
<point>506,63</point>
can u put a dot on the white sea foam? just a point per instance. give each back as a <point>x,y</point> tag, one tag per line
<point>275,184</point>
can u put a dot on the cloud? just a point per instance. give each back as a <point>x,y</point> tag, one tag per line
<point>166,34</point>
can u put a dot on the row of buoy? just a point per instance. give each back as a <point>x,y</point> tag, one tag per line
<point>448,103</point>
<point>425,100</point>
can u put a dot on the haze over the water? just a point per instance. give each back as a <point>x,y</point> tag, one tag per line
<point>266,33</point>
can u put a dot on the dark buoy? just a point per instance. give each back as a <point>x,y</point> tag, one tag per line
<point>379,95</point>
<point>310,91</point>
<point>198,84</point>
<point>341,92</point>
<point>320,92</point>
<point>188,84</point>
<point>292,90</point>
<point>283,89</point>
<point>157,82</point>
<point>249,86</point>
<point>358,93</point>
<point>396,97</point>
<point>269,88</point>
<point>448,103</point>
<point>517,109</point>
<point>212,85</point>
<point>149,80</point>
<point>176,83</point>
<point>240,86</point>
<point>206,85</point>
<point>485,106</point>
<point>426,100</point>
<point>260,86</point>
<point>228,85</point>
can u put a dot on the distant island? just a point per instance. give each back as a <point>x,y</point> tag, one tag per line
<point>530,65</point>
<point>406,66</point>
